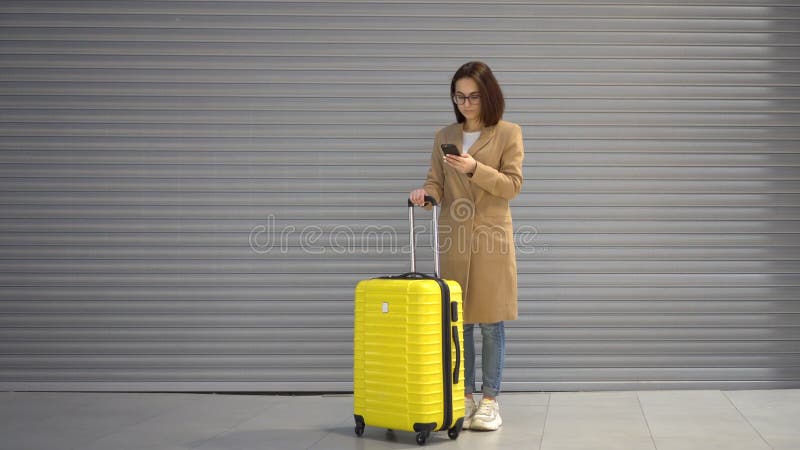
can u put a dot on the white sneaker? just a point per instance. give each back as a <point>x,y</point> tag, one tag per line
<point>470,407</point>
<point>487,418</point>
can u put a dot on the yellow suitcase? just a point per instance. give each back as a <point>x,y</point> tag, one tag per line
<point>407,366</point>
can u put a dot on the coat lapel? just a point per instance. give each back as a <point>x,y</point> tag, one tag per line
<point>486,136</point>
<point>456,136</point>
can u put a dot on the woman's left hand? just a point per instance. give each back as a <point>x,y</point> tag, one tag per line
<point>463,163</point>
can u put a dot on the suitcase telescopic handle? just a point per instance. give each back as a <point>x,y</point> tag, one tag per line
<point>412,240</point>
<point>428,199</point>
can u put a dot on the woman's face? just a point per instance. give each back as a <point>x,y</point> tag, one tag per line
<point>467,87</point>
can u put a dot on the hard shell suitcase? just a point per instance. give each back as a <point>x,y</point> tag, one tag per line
<point>408,335</point>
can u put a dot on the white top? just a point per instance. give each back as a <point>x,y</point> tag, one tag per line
<point>469,139</point>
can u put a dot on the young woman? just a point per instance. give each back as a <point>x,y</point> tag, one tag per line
<point>477,243</point>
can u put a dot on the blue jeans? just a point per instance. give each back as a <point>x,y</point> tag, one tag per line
<point>492,357</point>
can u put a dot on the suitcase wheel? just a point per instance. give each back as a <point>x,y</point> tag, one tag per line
<point>360,425</point>
<point>452,433</point>
<point>422,436</point>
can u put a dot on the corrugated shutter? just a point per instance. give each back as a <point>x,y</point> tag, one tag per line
<point>146,145</point>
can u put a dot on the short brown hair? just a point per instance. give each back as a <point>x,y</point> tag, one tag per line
<point>492,102</point>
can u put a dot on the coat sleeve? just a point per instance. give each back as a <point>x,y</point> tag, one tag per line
<point>506,181</point>
<point>434,183</point>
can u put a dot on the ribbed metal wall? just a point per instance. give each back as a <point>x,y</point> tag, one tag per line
<point>147,145</point>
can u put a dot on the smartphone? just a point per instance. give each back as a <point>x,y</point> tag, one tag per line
<point>450,149</point>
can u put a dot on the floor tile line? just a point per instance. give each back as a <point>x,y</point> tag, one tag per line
<point>546,415</point>
<point>139,422</point>
<point>343,423</point>
<point>236,425</point>
<point>157,423</point>
<point>310,447</point>
<point>725,394</point>
<point>646,422</point>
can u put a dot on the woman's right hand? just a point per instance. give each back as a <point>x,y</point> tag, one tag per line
<point>417,197</point>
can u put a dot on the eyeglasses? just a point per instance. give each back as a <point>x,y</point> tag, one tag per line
<point>474,99</point>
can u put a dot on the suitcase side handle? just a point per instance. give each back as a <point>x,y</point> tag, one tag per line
<point>458,355</point>
<point>412,238</point>
<point>454,319</point>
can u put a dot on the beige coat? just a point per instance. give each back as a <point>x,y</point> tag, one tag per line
<point>476,235</point>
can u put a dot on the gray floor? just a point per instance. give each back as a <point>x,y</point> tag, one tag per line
<point>660,420</point>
